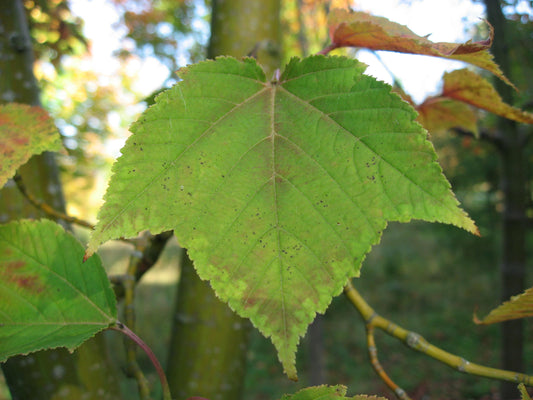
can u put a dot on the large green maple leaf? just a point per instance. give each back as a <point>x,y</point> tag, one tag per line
<point>277,189</point>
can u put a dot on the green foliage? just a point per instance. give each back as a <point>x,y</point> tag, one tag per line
<point>48,298</point>
<point>326,393</point>
<point>251,176</point>
<point>319,392</point>
<point>278,189</point>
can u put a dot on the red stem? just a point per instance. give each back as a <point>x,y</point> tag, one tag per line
<point>327,49</point>
<point>162,377</point>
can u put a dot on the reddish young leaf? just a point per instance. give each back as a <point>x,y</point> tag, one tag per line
<point>24,132</point>
<point>471,88</point>
<point>359,29</point>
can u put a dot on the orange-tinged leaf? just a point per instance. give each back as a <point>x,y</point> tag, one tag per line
<point>471,88</point>
<point>520,306</point>
<point>438,114</point>
<point>24,132</point>
<point>360,29</point>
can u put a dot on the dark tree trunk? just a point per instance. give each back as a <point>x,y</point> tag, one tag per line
<point>513,184</point>
<point>54,374</point>
<point>209,342</point>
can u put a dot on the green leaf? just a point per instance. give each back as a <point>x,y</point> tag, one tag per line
<point>324,392</point>
<point>48,298</point>
<point>24,132</point>
<point>277,189</point>
<point>520,306</point>
<point>318,392</point>
<point>524,395</point>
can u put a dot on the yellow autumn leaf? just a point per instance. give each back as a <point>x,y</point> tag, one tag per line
<point>520,306</point>
<point>469,87</point>
<point>438,114</point>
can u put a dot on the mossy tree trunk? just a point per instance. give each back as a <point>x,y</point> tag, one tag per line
<point>209,342</point>
<point>52,374</point>
<point>514,186</point>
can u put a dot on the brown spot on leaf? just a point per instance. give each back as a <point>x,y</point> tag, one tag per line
<point>13,272</point>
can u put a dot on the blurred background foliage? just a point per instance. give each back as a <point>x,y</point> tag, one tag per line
<point>427,277</point>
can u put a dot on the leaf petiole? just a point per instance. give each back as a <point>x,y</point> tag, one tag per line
<point>119,326</point>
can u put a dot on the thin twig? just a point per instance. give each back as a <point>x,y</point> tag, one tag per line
<point>125,285</point>
<point>147,255</point>
<point>129,316</point>
<point>396,82</point>
<point>374,361</point>
<point>53,213</point>
<point>326,50</point>
<point>151,253</point>
<point>418,343</point>
<point>41,205</point>
<point>160,372</point>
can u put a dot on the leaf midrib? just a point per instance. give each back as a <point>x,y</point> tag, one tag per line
<point>273,133</point>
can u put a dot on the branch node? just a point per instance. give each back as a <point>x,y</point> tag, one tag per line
<point>400,393</point>
<point>413,339</point>
<point>463,366</point>
<point>371,318</point>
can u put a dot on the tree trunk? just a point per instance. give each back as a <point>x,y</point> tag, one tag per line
<point>208,345</point>
<point>52,374</point>
<point>514,184</point>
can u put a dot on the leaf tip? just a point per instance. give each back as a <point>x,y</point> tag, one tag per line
<point>468,224</point>
<point>475,318</point>
<point>292,377</point>
<point>289,365</point>
<point>87,255</point>
<point>91,249</point>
